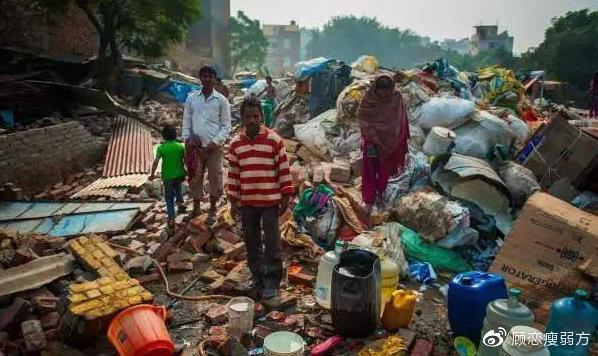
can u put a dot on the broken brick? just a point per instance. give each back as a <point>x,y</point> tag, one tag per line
<point>195,242</point>
<point>287,300</point>
<point>229,236</point>
<point>50,320</point>
<point>180,266</point>
<point>22,256</point>
<point>295,321</point>
<point>217,314</point>
<point>45,304</point>
<point>301,278</point>
<point>138,265</point>
<point>152,247</point>
<point>217,285</point>
<point>210,276</point>
<point>14,313</point>
<point>33,335</point>
<point>340,171</point>
<point>422,348</point>
<point>235,250</point>
<point>179,256</point>
<point>122,240</point>
<point>230,265</point>
<point>149,278</point>
<point>137,246</point>
<point>276,316</point>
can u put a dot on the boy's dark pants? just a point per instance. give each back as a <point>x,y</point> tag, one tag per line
<point>172,193</point>
<point>265,264</point>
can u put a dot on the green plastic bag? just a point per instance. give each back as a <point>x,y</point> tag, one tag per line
<point>440,258</point>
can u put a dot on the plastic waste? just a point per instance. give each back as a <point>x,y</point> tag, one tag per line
<point>479,136</point>
<point>439,141</point>
<point>440,258</point>
<point>291,110</point>
<point>572,315</point>
<point>324,226</point>
<point>531,344</point>
<point>399,309</point>
<point>389,281</point>
<point>256,88</point>
<point>367,64</point>
<point>284,343</point>
<point>390,346</point>
<point>445,112</point>
<point>306,69</point>
<point>464,346</point>
<point>325,347</point>
<point>520,181</point>
<point>324,276</point>
<point>468,296</point>
<point>503,313</point>
<point>423,272</point>
<point>459,237</point>
<point>586,200</point>
<point>240,316</point>
<point>348,100</point>
<point>355,306</point>
<point>313,135</point>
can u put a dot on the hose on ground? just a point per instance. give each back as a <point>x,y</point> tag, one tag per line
<point>193,298</point>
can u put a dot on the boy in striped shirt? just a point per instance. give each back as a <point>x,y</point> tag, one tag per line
<point>259,187</point>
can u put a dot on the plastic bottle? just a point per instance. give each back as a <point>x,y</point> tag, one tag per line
<point>389,281</point>
<point>524,341</point>
<point>399,310</point>
<point>572,315</point>
<point>469,294</point>
<point>504,313</point>
<point>324,277</point>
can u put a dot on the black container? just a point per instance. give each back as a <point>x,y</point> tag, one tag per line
<point>355,306</point>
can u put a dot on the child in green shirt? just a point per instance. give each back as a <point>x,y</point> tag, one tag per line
<point>172,154</point>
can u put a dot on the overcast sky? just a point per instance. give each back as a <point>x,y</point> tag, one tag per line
<point>526,20</point>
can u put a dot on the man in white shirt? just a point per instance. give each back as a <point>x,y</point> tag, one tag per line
<point>207,117</point>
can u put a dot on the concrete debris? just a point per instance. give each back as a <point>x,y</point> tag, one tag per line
<point>33,334</point>
<point>35,274</point>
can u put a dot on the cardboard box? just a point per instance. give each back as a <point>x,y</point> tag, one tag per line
<point>551,250</point>
<point>561,151</point>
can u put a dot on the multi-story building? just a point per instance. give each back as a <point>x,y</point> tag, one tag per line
<point>284,49</point>
<point>487,38</point>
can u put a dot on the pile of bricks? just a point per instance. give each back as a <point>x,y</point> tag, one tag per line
<point>113,291</point>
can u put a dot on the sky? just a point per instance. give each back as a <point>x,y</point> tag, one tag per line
<point>526,20</point>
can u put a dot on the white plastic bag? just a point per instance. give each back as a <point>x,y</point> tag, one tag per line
<point>313,135</point>
<point>520,181</point>
<point>445,112</point>
<point>478,137</point>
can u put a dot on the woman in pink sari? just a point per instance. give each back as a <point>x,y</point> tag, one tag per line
<point>385,132</point>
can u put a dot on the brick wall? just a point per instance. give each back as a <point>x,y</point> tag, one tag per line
<point>38,158</point>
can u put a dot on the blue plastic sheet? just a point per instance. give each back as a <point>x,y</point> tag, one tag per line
<point>307,69</point>
<point>326,85</point>
<point>7,117</point>
<point>180,90</point>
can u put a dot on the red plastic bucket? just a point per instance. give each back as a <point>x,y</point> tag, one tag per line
<point>140,331</point>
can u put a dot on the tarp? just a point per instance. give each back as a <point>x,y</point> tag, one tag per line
<point>68,218</point>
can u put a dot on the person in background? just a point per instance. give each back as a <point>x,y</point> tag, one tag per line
<point>259,187</point>
<point>593,100</point>
<point>270,101</point>
<point>385,134</point>
<point>171,153</point>
<point>207,116</point>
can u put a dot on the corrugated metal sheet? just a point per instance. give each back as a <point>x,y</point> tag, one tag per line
<point>114,187</point>
<point>70,218</point>
<point>129,149</point>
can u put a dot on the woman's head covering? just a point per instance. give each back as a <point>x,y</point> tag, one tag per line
<point>383,122</point>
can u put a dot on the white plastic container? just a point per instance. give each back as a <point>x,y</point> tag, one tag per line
<point>284,343</point>
<point>330,259</point>
<point>520,342</point>
<point>390,280</point>
<point>438,141</point>
<point>240,316</point>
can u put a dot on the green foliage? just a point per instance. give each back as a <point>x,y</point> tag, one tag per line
<point>348,37</point>
<point>145,26</point>
<point>569,51</point>
<point>248,45</point>
<point>484,59</point>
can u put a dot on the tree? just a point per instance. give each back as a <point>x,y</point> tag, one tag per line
<point>569,51</point>
<point>248,45</point>
<point>348,37</point>
<point>145,26</point>
<point>483,59</point>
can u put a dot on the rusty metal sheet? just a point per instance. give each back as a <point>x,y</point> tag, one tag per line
<point>129,149</point>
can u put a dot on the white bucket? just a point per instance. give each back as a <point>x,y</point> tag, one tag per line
<point>438,141</point>
<point>240,316</point>
<point>283,343</point>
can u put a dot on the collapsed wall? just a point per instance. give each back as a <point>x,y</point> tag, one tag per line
<point>37,158</point>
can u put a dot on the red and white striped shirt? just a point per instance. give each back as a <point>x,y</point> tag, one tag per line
<point>258,169</point>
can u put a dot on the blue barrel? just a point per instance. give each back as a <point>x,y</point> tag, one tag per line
<point>468,296</point>
<point>576,318</point>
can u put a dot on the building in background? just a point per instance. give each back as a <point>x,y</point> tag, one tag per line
<point>487,38</point>
<point>460,46</point>
<point>207,40</point>
<point>284,49</point>
<point>305,37</point>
